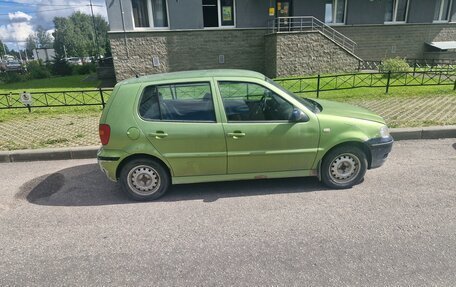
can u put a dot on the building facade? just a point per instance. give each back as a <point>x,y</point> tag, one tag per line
<point>153,36</point>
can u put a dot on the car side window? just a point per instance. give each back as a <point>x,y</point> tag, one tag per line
<point>252,102</point>
<point>178,102</point>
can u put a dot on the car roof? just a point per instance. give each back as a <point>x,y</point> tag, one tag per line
<point>195,74</point>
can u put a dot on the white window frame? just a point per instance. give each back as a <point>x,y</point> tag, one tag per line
<point>334,12</point>
<point>151,18</point>
<point>450,7</point>
<point>395,4</point>
<point>219,11</point>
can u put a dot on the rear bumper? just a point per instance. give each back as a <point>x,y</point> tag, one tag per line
<point>109,160</point>
<point>379,150</point>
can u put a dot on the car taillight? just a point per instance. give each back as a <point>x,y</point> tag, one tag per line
<point>105,132</point>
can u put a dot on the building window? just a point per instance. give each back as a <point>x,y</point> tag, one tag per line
<point>396,11</point>
<point>218,13</point>
<point>442,10</point>
<point>335,11</point>
<point>150,13</point>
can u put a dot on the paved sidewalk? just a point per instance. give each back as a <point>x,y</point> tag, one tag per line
<point>38,131</point>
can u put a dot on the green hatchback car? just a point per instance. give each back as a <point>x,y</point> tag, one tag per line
<point>219,125</point>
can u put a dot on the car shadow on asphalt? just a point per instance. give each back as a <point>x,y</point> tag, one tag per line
<point>86,185</point>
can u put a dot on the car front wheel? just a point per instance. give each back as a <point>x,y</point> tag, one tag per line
<point>144,179</point>
<point>343,167</point>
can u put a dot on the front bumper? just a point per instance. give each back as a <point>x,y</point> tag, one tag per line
<point>379,150</point>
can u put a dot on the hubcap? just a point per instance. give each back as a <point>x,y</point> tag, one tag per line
<point>143,180</point>
<point>344,168</point>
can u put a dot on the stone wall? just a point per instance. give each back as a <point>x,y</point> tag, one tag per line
<point>377,42</point>
<point>307,53</point>
<point>187,50</point>
<point>280,54</point>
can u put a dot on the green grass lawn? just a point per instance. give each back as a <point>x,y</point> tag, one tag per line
<point>68,83</point>
<point>379,93</point>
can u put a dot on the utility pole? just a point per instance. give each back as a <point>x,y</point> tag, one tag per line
<point>95,30</point>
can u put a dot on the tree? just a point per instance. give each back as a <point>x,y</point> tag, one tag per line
<point>76,35</point>
<point>3,49</point>
<point>30,44</point>
<point>43,38</point>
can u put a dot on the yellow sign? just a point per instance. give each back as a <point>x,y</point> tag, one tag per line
<point>271,11</point>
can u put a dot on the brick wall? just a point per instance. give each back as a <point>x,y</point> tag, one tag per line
<point>187,50</point>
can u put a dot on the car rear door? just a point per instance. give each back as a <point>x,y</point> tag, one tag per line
<point>180,121</point>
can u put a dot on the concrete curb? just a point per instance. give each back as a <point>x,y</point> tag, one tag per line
<point>423,133</point>
<point>49,154</point>
<point>91,151</point>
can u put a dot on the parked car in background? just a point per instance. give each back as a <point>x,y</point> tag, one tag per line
<point>74,61</point>
<point>218,125</point>
<point>14,66</point>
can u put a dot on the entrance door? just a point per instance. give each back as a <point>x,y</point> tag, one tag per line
<point>283,9</point>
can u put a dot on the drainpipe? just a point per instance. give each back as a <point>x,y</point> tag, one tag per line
<point>123,27</point>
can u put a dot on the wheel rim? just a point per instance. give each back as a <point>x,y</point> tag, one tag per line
<point>144,180</point>
<point>344,168</point>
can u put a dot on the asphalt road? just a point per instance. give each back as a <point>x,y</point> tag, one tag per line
<point>63,223</point>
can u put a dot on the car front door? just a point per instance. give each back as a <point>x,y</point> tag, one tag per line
<point>258,131</point>
<point>180,121</point>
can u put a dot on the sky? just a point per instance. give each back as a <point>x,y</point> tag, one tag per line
<point>19,18</point>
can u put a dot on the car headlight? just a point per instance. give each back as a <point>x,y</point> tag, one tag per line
<point>384,132</point>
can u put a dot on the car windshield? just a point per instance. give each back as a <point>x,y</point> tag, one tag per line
<point>310,104</point>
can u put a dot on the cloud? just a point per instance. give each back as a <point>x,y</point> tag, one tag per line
<point>19,16</point>
<point>15,32</point>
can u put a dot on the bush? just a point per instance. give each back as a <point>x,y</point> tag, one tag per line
<point>61,67</point>
<point>13,77</point>
<point>394,65</point>
<point>85,69</point>
<point>37,70</point>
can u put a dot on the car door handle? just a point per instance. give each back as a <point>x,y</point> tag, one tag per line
<point>158,135</point>
<point>236,135</point>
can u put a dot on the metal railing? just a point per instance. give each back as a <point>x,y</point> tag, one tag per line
<point>96,97</point>
<point>309,23</point>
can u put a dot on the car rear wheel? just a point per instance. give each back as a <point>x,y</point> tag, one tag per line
<point>144,179</point>
<point>343,167</point>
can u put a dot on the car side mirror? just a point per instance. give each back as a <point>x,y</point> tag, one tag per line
<point>298,116</point>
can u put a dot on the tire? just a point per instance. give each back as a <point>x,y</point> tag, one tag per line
<point>144,179</point>
<point>343,167</point>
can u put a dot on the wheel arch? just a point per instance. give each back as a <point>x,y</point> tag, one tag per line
<point>362,146</point>
<point>142,156</point>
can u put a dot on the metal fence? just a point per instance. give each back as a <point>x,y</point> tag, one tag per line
<point>416,65</point>
<point>319,83</point>
<point>96,97</point>
<point>313,84</point>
